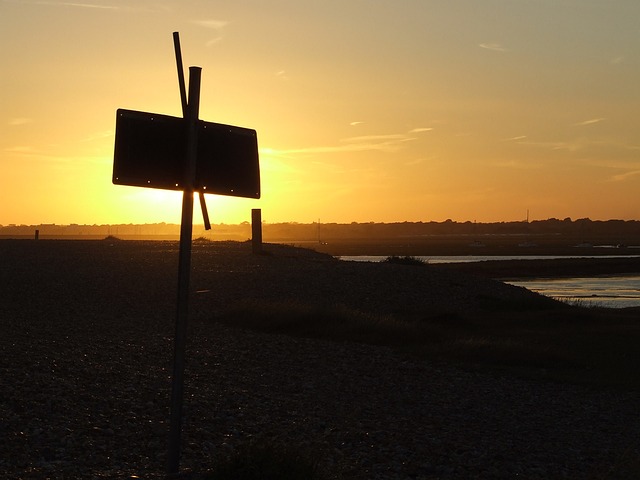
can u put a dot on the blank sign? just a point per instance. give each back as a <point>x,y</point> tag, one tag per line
<point>150,151</point>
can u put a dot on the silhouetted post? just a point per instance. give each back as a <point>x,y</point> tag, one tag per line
<point>184,271</point>
<point>37,235</point>
<point>256,230</point>
<point>183,101</point>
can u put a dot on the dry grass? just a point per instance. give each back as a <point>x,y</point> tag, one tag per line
<point>588,346</point>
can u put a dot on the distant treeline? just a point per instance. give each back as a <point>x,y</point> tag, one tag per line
<point>585,229</point>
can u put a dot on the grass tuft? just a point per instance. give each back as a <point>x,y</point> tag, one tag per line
<point>267,461</point>
<point>569,344</point>
<point>334,322</point>
<point>408,260</point>
<point>202,240</point>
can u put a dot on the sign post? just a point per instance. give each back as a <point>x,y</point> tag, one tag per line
<point>159,151</point>
<point>184,271</point>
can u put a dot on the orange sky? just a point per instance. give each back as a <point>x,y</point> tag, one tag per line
<point>365,110</point>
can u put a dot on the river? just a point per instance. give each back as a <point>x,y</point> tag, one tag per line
<point>612,291</point>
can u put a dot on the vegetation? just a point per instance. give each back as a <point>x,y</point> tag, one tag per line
<point>266,461</point>
<point>571,344</point>
<point>202,240</point>
<point>407,260</point>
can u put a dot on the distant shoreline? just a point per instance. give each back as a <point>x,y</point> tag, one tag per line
<point>626,261</point>
<point>561,267</point>
<point>436,245</point>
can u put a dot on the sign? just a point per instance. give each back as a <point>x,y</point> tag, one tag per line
<point>151,151</point>
<point>160,151</point>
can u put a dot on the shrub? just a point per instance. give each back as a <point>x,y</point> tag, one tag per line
<point>202,240</point>
<point>407,260</point>
<point>266,461</point>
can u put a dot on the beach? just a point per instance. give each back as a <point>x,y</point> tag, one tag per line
<point>87,348</point>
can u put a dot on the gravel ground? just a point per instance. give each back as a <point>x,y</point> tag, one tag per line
<point>85,362</point>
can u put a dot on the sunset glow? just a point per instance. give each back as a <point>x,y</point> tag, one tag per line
<point>365,111</point>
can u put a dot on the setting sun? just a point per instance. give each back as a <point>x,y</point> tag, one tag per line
<point>389,112</point>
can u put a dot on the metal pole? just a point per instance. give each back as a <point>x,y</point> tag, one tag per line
<point>184,271</point>
<point>183,90</point>
<point>205,213</point>
<point>183,101</point>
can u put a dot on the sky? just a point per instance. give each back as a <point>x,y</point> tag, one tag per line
<point>365,110</point>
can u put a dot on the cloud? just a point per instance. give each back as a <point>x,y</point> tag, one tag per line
<point>77,5</point>
<point>353,124</point>
<point>93,6</point>
<point>14,122</point>
<point>98,136</point>
<point>518,165</point>
<point>495,47</point>
<point>588,122</point>
<point>384,143</point>
<point>27,149</point>
<point>213,24</point>
<point>515,139</point>
<point>216,25</point>
<point>377,138</point>
<point>621,177</point>
<point>416,161</point>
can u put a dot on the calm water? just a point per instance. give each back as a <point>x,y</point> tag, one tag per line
<point>473,258</point>
<point>613,291</point>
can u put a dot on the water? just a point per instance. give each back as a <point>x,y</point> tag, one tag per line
<point>612,291</point>
<point>472,258</point>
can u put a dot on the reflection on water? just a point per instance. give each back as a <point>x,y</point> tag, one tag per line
<point>472,258</point>
<point>612,291</point>
<point>616,291</point>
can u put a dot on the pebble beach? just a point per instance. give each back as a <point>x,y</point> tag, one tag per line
<point>85,372</point>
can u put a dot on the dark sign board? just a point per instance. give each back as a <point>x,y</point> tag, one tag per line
<point>150,151</point>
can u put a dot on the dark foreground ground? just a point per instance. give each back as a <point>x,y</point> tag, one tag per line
<point>419,372</point>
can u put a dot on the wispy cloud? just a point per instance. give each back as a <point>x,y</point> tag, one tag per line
<point>216,25</point>
<point>573,146</point>
<point>384,143</point>
<point>93,5</point>
<point>353,124</point>
<point>375,139</point>
<point>98,136</point>
<point>493,46</point>
<point>421,129</point>
<point>78,5</point>
<point>621,177</point>
<point>416,161</point>
<point>591,121</point>
<point>518,165</point>
<point>14,122</point>
<point>24,149</point>
<point>515,139</point>
<point>56,159</point>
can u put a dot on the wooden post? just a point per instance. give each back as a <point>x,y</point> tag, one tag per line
<point>256,230</point>
<point>37,235</point>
